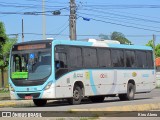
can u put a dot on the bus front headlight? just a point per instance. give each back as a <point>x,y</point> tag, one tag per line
<point>48,86</point>
<point>11,88</point>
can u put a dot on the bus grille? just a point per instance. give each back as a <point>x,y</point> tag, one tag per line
<point>34,95</point>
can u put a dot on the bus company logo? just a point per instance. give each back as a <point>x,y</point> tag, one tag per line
<point>103,75</point>
<point>78,75</point>
<point>134,74</point>
<point>6,114</point>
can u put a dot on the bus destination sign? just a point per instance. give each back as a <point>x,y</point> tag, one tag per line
<point>31,47</point>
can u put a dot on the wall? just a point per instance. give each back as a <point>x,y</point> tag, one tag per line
<point>158,79</point>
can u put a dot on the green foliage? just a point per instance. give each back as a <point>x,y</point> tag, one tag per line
<point>104,37</point>
<point>3,36</point>
<point>116,36</point>
<point>150,43</point>
<point>157,48</point>
<point>120,37</point>
<point>5,46</point>
<point>4,90</point>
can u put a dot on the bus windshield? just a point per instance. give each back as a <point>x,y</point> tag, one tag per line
<point>33,65</point>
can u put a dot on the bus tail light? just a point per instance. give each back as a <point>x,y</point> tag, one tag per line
<point>48,86</point>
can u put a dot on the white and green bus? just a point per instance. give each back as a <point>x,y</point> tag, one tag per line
<point>72,70</point>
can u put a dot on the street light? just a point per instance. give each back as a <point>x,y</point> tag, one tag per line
<point>86,19</point>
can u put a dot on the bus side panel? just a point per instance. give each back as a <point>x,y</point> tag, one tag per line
<point>104,81</point>
<point>144,80</point>
<point>63,87</point>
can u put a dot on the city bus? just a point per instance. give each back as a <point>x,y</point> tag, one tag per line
<point>74,70</point>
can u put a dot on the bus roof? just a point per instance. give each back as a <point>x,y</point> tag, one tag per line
<point>86,43</point>
<point>101,44</point>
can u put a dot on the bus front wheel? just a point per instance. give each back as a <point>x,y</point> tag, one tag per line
<point>40,102</point>
<point>77,96</point>
<point>130,93</point>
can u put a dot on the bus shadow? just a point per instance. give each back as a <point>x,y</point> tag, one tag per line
<point>87,101</point>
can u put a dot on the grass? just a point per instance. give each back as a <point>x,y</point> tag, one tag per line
<point>89,118</point>
<point>4,90</point>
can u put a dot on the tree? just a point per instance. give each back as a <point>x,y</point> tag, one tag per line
<point>104,37</point>
<point>150,43</point>
<point>5,45</point>
<point>157,48</point>
<point>116,36</point>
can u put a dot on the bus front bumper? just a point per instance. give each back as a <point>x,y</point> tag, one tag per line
<point>44,94</point>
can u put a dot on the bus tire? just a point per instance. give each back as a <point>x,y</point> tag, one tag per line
<point>130,93</point>
<point>77,96</point>
<point>40,102</point>
<point>97,99</point>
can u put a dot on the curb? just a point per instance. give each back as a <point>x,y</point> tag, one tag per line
<point>4,98</point>
<point>141,107</point>
<point>8,104</point>
<point>16,103</point>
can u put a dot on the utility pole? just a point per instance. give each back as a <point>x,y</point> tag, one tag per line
<point>154,39</point>
<point>72,20</point>
<point>43,20</point>
<point>22,31</point>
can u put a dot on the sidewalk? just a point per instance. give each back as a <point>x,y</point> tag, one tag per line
<point>16,103</point>
<point>6,102</point>
<point>5,96</point>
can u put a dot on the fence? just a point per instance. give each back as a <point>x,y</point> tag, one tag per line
<point>158,79</point>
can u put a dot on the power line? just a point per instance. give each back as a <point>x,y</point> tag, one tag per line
<point>61,26</point>
<point>124,16</point>
<point>30,13</point>
<point>61,31</point>
<point>121,6</point>
<point>136,14</point>
<point>83,34</point>
<point>28,6</point>
<point>111,10</point>
<point>49,1</point>
<point>117,20</point>
<point>130,26</point>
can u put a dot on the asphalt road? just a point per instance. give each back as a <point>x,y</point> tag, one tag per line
<point>145,98</point>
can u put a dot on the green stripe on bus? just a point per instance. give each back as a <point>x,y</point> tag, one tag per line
<point>16,75</point>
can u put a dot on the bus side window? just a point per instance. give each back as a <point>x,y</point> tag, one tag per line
<point>141,59</point>
<point>60,64</point>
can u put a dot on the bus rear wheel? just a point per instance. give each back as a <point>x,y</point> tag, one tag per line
<point>40,102</point>
<point>77,96</point>
<point>130,93</point>
<point>96,99</point>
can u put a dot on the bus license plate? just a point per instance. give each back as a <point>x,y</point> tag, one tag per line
<point>28,97</point>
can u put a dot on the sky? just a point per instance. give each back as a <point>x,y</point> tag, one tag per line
<point>138,20</point>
